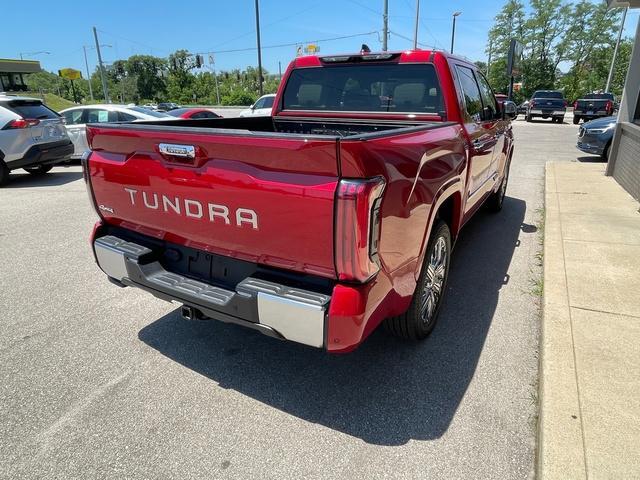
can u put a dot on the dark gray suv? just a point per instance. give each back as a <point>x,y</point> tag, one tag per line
<point>595,136</point>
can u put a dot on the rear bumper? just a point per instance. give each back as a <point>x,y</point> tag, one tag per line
<point>44,154</point>
<point>312,311</point>
<point>271,308</point>
<point>546,113</point>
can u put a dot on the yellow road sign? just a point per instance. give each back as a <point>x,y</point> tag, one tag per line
<point>70,73</point>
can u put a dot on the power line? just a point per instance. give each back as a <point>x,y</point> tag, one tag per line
<point>366,7</point>
<point>293,44</point>
<point>275,22</point>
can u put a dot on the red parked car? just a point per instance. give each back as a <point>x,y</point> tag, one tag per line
<point>193,113</point>
<point>318,223</point>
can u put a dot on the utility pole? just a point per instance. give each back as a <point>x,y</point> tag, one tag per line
<point>102,77</point>
<point>489,60</point>
<point>615,51</point>
<point>86,64</point>
<point>385,25</point>
<point>453,29</point>
<point>415,31</point>
<point>279,70</point>
<point>259,50</point>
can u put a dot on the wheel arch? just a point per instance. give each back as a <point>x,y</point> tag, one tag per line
<point>448,208</point>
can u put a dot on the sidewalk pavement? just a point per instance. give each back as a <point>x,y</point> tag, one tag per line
<point>589,423</point>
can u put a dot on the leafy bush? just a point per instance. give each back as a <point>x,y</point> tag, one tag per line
<point>238,98</point>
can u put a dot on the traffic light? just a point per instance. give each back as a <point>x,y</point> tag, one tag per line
<point>199,61</point>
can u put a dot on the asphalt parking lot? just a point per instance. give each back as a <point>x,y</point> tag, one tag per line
<point>102,382</point>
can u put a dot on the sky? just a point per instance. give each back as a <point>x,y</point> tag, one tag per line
<point>160,27</point>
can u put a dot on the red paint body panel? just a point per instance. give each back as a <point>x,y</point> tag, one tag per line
<point>290,186</point>
<point>290,181</point>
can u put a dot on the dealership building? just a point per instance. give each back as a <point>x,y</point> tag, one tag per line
<point>13,73</point>
<point>624,157</point>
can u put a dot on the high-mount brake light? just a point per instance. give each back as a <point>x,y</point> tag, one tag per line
<point>358,228</point>
<point>378,56</point>
<point>344,58</point>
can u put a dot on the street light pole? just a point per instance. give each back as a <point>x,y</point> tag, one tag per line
<point>41,52</point>
<point>86,64</point>
<point>385,25</point>
<point>453,29</point>
<point>105,90</point>
<point>615,51</point>
<point>415,31</point>
<point>259,50</point>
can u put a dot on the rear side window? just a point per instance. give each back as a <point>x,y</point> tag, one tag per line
<point>32,109</point>
<point>98,115</point>
<point>471,91</point>
<point>401,88</point>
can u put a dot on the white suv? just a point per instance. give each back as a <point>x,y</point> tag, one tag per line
<point>32,137</point>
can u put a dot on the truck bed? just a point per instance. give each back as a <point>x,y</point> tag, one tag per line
<point>302,126</point>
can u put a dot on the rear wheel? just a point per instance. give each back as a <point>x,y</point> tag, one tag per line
<point>495,201</point>
<point>39,170</point>
<point>420,318</point>
<point>576,120</point>
<point>527,118</point>
<point>4,173</point>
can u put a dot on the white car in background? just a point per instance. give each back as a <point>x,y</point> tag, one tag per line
<point>262,107</point>
<point>76,119</point>
<point>32,136</point>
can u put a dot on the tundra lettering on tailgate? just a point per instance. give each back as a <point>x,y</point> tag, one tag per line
<point>193,208</point>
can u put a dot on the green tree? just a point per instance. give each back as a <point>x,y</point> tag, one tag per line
<point>148,72</point>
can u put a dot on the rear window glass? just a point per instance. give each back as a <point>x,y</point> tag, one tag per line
<point>151,113</point>
<point>32,109</point>
<point>548,94</point>
<point>598,96</point>
<point>371,88</point>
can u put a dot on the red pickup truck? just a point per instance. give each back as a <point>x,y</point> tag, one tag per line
<point>318,223</point>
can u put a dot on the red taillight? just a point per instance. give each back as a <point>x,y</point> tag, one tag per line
<point>22,123</point>
<point>575,105</point>
<point>609,105</point>
<point>565,103</point>
<point>532,104</point>
<point>358,228</point>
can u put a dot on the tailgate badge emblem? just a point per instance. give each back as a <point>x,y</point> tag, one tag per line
<point>184,151</point>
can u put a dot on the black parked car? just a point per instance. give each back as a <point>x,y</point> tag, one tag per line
<point>547,104</point>
<point>593,105</point>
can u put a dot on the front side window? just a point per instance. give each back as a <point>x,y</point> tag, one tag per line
<point>353,87</point>
<point>490,108</point>
<point>471,92</point>
<point>636,117</point>
<point>73,117</point>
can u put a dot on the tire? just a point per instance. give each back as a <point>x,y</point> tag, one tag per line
<point>496,200</point>
<point>4,173</point>
<point>419,320</point>
<point>527,118</point>
<point>605,153</point>
<point>576,120</point>
<point>39,170</point>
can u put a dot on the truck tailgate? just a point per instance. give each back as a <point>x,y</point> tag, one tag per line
<point>264,198</point>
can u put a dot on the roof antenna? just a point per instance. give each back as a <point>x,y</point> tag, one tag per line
<point>365,48</point>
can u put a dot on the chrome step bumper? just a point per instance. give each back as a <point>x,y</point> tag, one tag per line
<point>276,310</point>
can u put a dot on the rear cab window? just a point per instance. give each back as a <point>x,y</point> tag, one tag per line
<point>399,88</point>
<point>548,94</point>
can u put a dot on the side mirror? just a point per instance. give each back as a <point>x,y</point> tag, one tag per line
<point>509,110</point>
<point>253,107</point>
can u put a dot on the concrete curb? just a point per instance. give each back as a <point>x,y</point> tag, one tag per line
<point>561,452</point>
